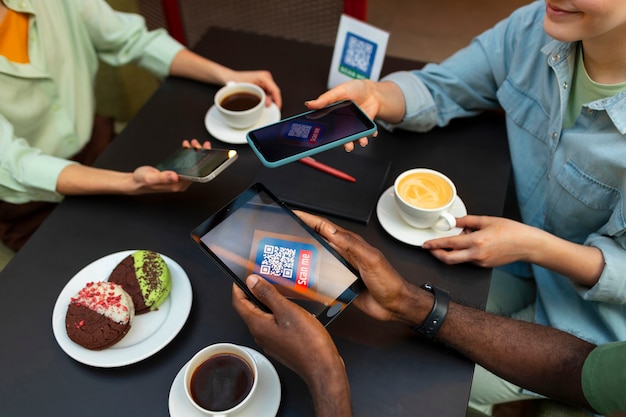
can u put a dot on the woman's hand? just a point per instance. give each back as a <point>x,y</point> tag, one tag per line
<point>382,100</point>
<point>494,241</point>
<point>264,80</point>
<point>486,241</point>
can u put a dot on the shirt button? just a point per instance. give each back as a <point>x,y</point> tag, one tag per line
<point>555,135</point>
<point>590,111</point>
<point>565,86</point>
<point>556,57</point>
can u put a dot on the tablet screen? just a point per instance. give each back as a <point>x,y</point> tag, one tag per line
<point>257,233</point>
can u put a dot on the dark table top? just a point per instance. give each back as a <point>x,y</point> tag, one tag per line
<point>392,371</point>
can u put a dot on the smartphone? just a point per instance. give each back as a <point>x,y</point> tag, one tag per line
<point>256,233</point>
<point>309,133</point>
<point>199,165</point>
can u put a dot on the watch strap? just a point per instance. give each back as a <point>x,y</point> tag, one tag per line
<point>437,315</point>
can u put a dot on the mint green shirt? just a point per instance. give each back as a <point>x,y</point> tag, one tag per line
<point>604,378</point>
<point>47,106</point>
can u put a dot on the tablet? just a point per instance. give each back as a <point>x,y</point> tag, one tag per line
<point>257,233</point>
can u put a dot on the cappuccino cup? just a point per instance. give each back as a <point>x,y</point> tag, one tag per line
<point>240,105</point>
<point>221,379</point>
<point>424,197</point>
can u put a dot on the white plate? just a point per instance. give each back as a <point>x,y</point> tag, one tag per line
<point>391,221</point>
<point>264,404</point>
<point>149,333</point>
<point>217,128</point>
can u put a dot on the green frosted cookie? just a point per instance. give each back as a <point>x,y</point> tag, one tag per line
<point>146,277</point>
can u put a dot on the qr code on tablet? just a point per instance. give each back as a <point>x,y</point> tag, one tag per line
<point>278,260</point>
<point>358,57</point>
<point>291,263</point>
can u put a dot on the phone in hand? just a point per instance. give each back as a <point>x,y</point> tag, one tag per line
<point>309,133</point>
<point>198,165</point>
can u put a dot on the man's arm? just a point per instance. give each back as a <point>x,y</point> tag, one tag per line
<point>539,358</point>
<point>293,336</point>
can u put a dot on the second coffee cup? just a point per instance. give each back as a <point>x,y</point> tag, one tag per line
<point>240,105</point>
<point>221,379</point>
<point>424,198</point>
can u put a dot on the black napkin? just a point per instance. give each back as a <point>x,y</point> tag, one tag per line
<point>311,189</point>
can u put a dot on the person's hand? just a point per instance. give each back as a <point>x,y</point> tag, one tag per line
<point>359,91</point>
<point>290,334</point>
<point>485,241</point>
<point>195,143</point>
<point>387,292</point>
<point>264,80</point>
<point>299,341</point>
<point>147,179</point>
<point>379,100</point>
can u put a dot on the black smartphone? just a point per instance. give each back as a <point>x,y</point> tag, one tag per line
<point>199,165</point>
<point>309,133</point>
<point>257,233</point>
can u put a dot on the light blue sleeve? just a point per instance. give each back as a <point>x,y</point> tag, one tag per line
<point>611,287</point>
<point>467,83</point>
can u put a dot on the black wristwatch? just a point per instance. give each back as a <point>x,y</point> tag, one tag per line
<point>438,313</point>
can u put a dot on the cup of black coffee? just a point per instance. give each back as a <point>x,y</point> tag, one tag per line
<point>221,379</point>
<point>240,105</point>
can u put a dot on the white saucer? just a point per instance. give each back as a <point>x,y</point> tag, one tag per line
<point>220,130</point>
<point>266,399</point>
<point>391,221</point>
<point>149,333</point>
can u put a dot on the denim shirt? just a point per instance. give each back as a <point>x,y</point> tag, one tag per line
<point>569,182</point>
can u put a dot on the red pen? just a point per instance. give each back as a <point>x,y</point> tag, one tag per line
<point>307,160</point>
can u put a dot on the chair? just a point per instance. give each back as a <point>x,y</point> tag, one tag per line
<point>308,21</point>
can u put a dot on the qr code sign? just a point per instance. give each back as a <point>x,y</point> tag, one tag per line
<point>358,57</point>
<point>278,261</point>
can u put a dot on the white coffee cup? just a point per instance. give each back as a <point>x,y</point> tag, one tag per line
<point>221,379</point>
<point>424,198</point>
<point>240,105</point>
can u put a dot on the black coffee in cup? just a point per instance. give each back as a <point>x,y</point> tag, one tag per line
<point>240,101</point>
<point>221,382</point>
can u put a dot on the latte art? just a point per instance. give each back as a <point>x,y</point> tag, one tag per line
<point>425,190</point>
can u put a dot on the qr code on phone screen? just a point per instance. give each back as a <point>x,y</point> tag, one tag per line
<point>278,260</point>
<point>358,57</point>
<point>299,130</point>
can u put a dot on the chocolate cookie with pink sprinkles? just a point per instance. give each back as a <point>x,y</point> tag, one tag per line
<point>99,316</point>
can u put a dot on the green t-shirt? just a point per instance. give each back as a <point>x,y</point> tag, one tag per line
<point>585,90</point>
<point>604,378</point>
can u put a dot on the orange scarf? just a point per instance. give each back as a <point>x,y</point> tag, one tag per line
<point>14,37</point>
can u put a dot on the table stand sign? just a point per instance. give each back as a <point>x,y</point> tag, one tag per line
<point>359,52</point>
